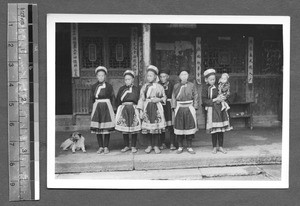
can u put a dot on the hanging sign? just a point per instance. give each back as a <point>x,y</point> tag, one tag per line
<point>140,58</point>
<point>74,49</point>
<point>198,60</point>
<point>250,59</point>
<point>134,50</point>
<point>119,52</point>
<point>92,52</point>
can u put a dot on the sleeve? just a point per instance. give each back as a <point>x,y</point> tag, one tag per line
<point>195,97</point>
<point>92,99</point>
<point>164,97</point>
<point>137,94</point>
<point>173,101</point>
<point>118,98</point>
<point>205,101</point>
<point>112,97</point>
<point>140,104</point>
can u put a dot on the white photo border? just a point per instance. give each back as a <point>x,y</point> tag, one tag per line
<point>53,182</point>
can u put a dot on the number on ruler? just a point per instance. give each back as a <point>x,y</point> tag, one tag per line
<point>18,92</point>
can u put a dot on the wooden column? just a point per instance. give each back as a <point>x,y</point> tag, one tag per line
<point>250,58</point>
<point>146,47</point>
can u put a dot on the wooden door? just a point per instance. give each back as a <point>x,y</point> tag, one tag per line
<point>173,55</point>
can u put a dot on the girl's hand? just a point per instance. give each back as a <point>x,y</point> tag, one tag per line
<point>222,97</point>
<point>219,98</point>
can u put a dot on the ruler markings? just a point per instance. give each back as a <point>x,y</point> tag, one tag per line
<point>22,67</point>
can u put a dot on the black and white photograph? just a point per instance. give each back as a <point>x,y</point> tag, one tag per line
<point>167,101</point>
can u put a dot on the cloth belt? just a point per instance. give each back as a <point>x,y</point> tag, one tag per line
<point>185,103</point>
<point>128,103</point>
<point>103,100</point>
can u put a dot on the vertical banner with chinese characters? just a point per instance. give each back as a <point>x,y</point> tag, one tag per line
<point>74,48</point>
<point>250,59</point>
<point>140,53</point>
<point>146,33</point>
<point>198,60</point>
<point>134,50</point>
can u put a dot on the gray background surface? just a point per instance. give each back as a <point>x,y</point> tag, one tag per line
<point>154,197</point>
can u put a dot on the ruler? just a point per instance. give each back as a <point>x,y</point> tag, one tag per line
<point>23,104</point>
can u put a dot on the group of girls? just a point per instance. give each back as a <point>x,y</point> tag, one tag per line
<point>157,107</point>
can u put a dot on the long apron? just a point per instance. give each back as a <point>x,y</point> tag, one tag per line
<point>127,118</point>
<point>185,122</point>
<point>102,117</point>
<point>153,120</point>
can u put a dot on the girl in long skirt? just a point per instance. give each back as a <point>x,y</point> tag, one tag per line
<point>217,120</point>
<point>168,86</point>
<point>185,103</point>
<point>102,117</point>
<point>127,117</point>
<point>152,95</point>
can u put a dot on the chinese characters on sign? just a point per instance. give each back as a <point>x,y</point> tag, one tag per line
<point>140,48</point>
<point>250,59</point>
<point>74,49</point>
<point>92,52</point>
<point>198,60</point>
<point>134,50</point>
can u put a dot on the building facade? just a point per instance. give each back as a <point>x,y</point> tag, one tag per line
<point>251,54</point>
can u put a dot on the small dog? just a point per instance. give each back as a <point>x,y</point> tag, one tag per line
<point>75,142</point>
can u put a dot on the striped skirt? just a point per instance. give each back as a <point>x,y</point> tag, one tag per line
<point>185,122</point>
<point>103,117</point>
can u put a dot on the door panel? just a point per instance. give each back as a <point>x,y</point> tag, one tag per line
<point>63,70</point>
<point>174,55</point>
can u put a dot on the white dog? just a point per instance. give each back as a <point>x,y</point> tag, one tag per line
<point>75,142</point>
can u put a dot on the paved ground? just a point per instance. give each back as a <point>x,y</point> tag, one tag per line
<point>259,172</point>
<point>260,146</point>
<point>233,139</point>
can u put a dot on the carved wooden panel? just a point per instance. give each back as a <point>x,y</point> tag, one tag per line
<point>272,57</point>
<point>115,44</point>
<point>92,52</point>
<point>224,55</point>
<point>267,95</point>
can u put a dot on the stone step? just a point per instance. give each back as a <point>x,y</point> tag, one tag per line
<point>230,173</point>
<point>117,161</point>
<point>244,147</point>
